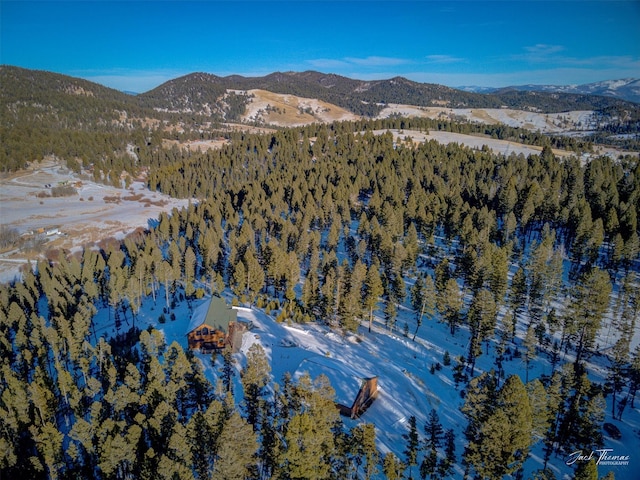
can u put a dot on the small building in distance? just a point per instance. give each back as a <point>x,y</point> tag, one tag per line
<point>355,391</point>
<point>214,325</point>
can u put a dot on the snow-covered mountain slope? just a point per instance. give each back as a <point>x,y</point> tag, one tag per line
<point>625,89</point>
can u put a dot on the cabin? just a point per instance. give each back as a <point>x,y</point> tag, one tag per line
<point>355,391</point>
<point>214,325</point>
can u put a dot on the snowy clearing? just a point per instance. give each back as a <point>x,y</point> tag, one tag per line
<point>406,385</point>
<point>95,213</point>
<point>290,110</point>
<point>579,120</point>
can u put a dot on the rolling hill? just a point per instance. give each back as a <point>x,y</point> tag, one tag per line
<point>207,93</point>
<point>368,97</point>
<point>64,116</point>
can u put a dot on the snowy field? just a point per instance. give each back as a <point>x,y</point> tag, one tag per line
<point>578,120</point>
<point>290,110</point>
<point>406,386</point>
<point>96,212</point>
<point>500,147</point>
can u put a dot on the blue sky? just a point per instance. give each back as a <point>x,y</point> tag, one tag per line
<point>136,46</point>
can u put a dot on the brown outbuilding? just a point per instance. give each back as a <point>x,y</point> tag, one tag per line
<point>355,391</point>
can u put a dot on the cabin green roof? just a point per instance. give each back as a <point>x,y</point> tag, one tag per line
<point>216,315</point>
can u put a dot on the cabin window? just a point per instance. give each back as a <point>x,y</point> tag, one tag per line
<point>205,331</point>
<point>198,332</point>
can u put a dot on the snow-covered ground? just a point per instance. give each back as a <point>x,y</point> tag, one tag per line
<point>406,386</point>
<point>291,110</point>
<point>544,122</point>
<point>501,147</point>
<point>96,212</point>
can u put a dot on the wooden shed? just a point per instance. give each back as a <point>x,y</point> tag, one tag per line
<point>355,391</point>
<point>211,325</point>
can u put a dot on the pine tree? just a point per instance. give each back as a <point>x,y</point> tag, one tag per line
<point>254,380</point>
<point>446,464</point>
<point>237,446</point>
<point>626,311</point>
<point>590,300</point>
<point>390,313</point>
<point>434,435</point>
<point>451,304</point>
<point>482,318</point>
<point>373,291</point>
<point>581,423</point>
<point>433,431</point>
<point>412,445</point>
<point>309,437</point>
<point>201,442</point>
<point>541,414</point>
<point>178,371</point>
<point>392,467</point>
<point>411,245</point>
<point>118,452</point>
<point>543,474</point>
<point>271,442</point>
<point>423,300</point>
<point>364,438</point>
<point>304,456</point>
<point>189,270</point>
<point>586,471</point>
<point>499,273</point>
<point>531,347</point>
<point>228,369</point>
<point>48,440</point>
<point>350,305</point>
<point>517,295</point>
<point>499,429</point>
<point>634,383</point>
<point>177,462</point>
<point>429,464</point>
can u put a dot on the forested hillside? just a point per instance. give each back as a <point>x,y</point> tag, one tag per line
<point>42,113</point>
<point>86,124</point>
<point>330,224</point>
<point>367,97</point>
<point>520,261</point>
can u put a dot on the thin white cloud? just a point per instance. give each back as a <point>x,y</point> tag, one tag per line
<point>606,61</point>
<point>443,59</point>
<point>328,63</point>
<point>539,53</point>
<point>374,61</point>
<point>362,62</point>
<point>540,49</point>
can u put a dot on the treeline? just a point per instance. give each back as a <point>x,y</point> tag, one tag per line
<point>620,123</point>
<point>353,216</point>
<point>43,113</point>
<point>85,124</point>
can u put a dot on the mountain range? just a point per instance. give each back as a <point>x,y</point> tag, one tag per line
<point>197,92</point>
<point>42,100</point>
<point>369,97</point>
<point>625,89</point>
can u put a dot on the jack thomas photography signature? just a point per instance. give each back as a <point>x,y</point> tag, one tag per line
<point>602,456</point>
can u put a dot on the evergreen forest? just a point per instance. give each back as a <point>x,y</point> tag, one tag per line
<point>534,257</point>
